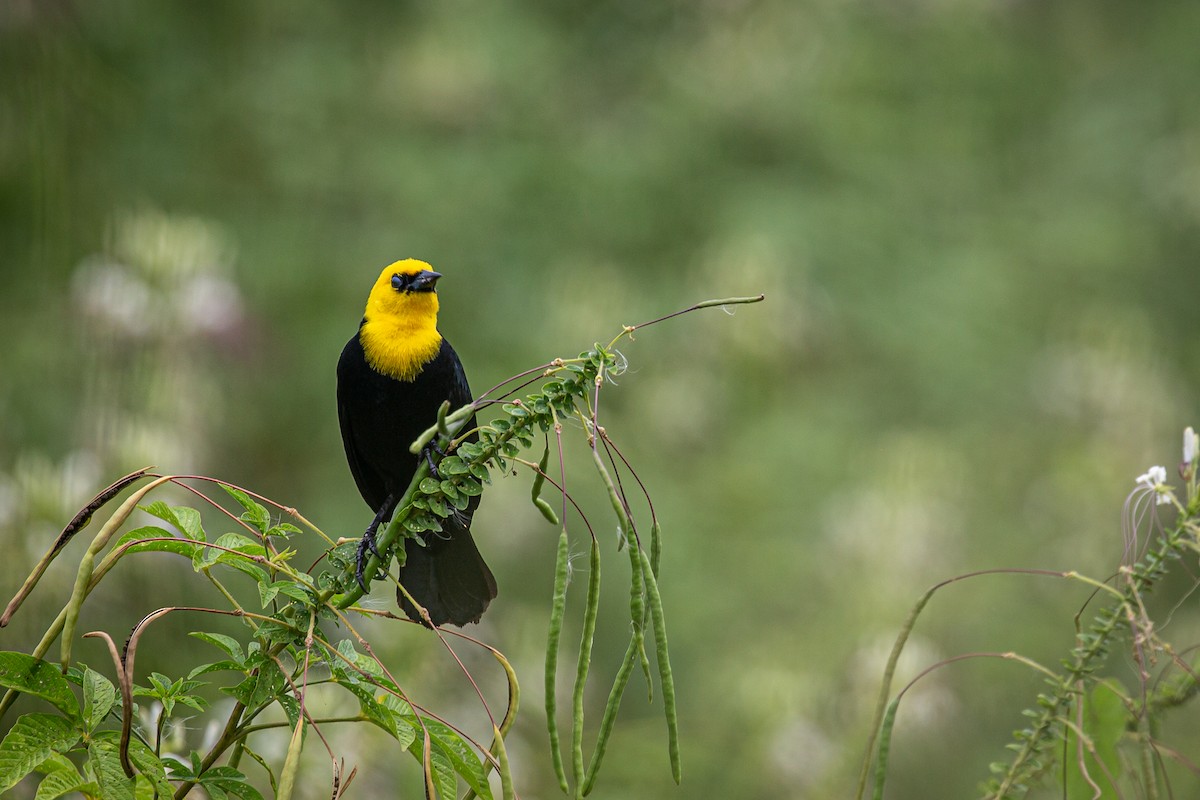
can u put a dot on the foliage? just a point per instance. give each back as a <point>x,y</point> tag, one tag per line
<point>1088,733</point>
<point>285,650</point>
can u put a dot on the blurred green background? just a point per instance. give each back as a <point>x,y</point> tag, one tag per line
<point>975,223</point>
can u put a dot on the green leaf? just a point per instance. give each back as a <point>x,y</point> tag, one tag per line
<point>372,709</point>
<point>193,701</point>
<point>249,568</point>
<point>62,782</point>
<point>343,555</point>
<point>480,471</point>
<point>56,762</point>
<point>242,559</point>
<point>444,781</point>
<point>438,506</point>
<point>406,734</point>
<point>400,707</point>
<point>430,486</point>
<point>262,762</point>
<point>287,588</point>
<point>284,530</point>
<point>174,544</point>
<point>270,683</point>
<point>161,684</point>
<point>179,770</point>
<point>259,688</point>
<point>188,521</point>
<point>255,515</point>
<point>104,753</point>
<point>461,756</point>
<point>227,643</point>
<point>348,652</point>
<point>240,543</point>
<point>228,781</point>
<point>172,693</point>
<point>279,633</point>
<point>204,557</point>
<point>99,696</point>
<point>143,789</point>
<point>331,582</point>
<point>74,673</point>
<point>185,520</point>
<point>62,778</point>
<point>267,592</point>
<point>31,740</point>
<point>217,666</point>
<point>420,521</point>
<point>292,709</point>
<point>297,592</point>
<point>452,465</point>
<point>39,678</point>
<point>146,763</point>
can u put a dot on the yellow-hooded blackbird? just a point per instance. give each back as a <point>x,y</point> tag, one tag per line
<point>392,377</point>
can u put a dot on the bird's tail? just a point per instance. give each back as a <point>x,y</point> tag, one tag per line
<point>447,576</point>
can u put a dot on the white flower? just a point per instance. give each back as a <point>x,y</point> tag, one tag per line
<point>1155,480</point>
<point>1190,444</point>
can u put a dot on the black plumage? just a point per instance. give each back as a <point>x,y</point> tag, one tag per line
<point>380,418</point>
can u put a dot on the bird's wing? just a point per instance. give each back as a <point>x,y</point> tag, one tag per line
<point>369,481</point>
<point>460,390</point>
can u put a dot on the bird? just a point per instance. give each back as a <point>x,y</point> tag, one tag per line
<point>392,377</point>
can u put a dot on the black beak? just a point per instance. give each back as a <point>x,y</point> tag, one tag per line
<point>424,281</point>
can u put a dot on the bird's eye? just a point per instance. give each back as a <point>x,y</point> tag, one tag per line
<point>399,283</point>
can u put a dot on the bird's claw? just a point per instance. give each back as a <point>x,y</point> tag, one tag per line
<point>428,452</point>
<point>366,546</point>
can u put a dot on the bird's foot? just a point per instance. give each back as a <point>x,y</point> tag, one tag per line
<point>366,548</point>
<point>428,452</point>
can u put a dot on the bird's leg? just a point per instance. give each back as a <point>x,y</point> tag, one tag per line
<point>367,543</point>
<point>428,452</point>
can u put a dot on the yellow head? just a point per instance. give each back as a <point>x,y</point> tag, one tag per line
<point>399,333</point>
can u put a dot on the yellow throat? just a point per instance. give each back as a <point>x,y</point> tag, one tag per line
<point>399,333</point>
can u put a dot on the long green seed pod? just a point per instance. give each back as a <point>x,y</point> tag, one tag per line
<point>562,568</point>
<point>885,743</point>
<point>610,717</point>
<point>655,546</point>
<point>291,763</point>
<point>506,781</point>
<point>585,657</point>
<point>535,493</point>
<point>83,577</point>
<point>637,614</point>
<point>664,666</point>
